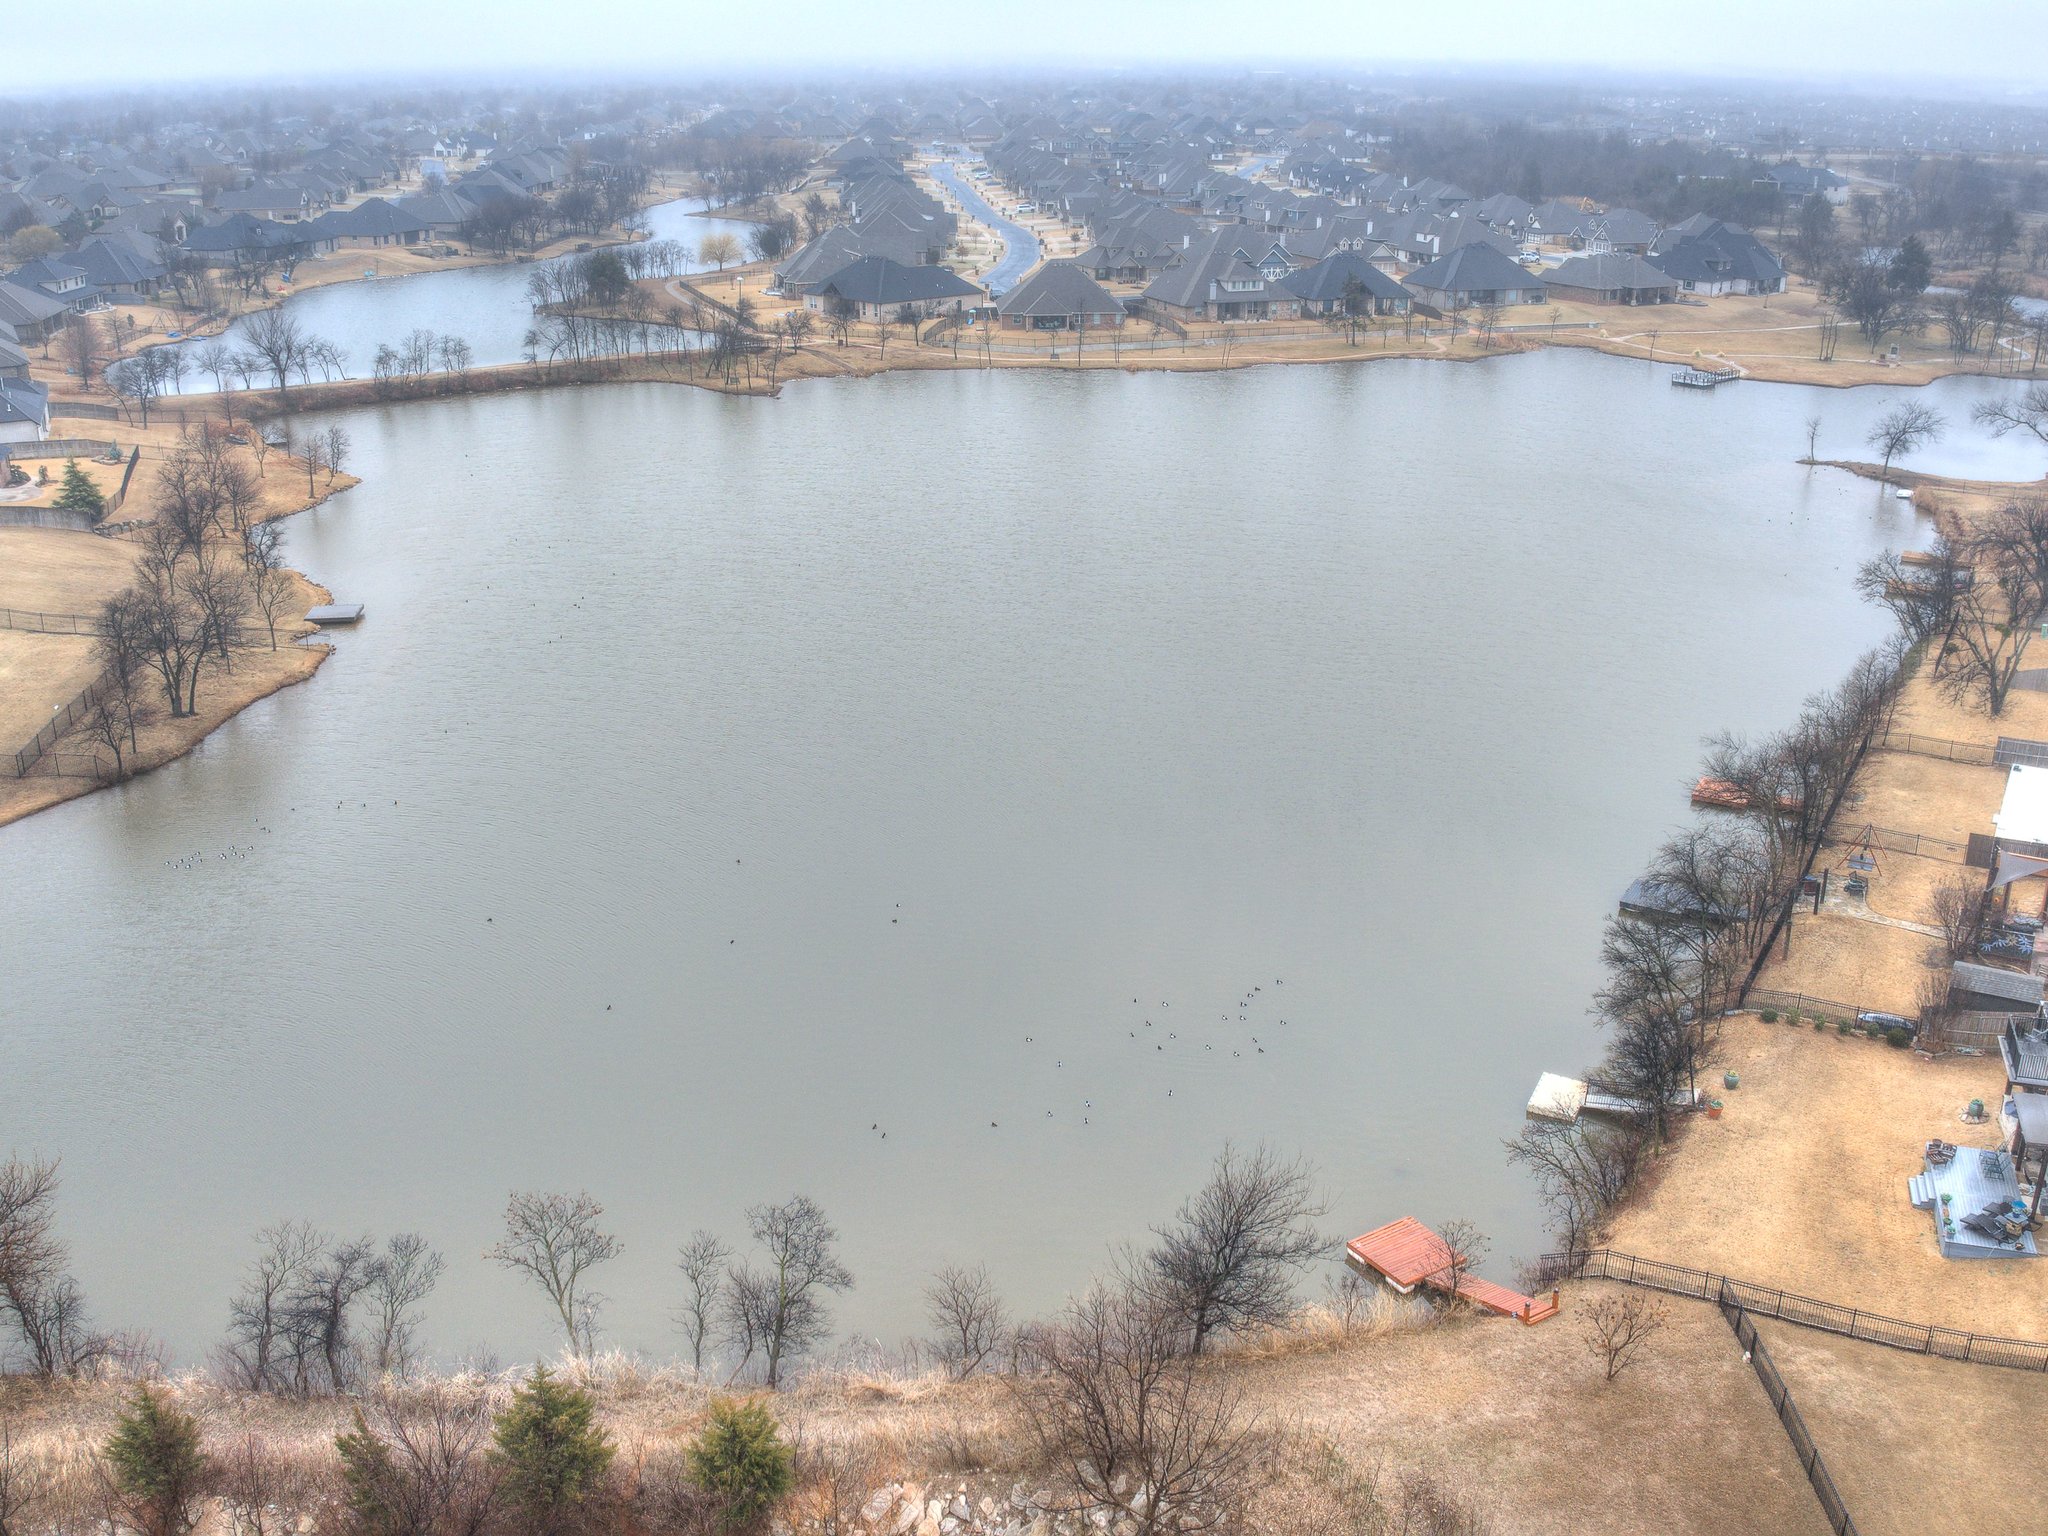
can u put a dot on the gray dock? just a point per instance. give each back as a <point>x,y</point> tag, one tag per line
<point>335,613</point>
<point>1704,378</point>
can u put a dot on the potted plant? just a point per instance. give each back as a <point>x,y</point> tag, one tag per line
<point>1730,1081</point>
<point>1713,1109</point>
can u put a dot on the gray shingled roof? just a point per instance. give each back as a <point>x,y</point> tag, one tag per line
<point>878,280</point>
<point>1474,268</point>
<point>1614,269</point>
<point>1059,288</point>
<point>1327,279</point>
<point>1990,981</point>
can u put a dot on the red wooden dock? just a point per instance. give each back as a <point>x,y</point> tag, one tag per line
<point>1406,1254</point>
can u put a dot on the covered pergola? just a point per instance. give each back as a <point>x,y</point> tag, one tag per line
<point>2030,1142</point>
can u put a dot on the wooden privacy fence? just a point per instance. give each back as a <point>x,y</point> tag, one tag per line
<point>58,448</point>
<point>1790,1417</point>
<point>1806,1311</point>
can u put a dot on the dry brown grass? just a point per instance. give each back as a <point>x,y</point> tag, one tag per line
<point>57,571</point>
<point>1520,1419</point>
<point>1914,1443</point>
<point>1802,1182</point>
<point>1514,1421</point>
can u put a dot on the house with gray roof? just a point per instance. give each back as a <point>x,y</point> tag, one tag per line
<point>1613,277</point>
<point>1328,287</point>
<point>24,410</point>
<point>28,315</point>
<point>1216,280</point>
<point>1711,257</point>
<point>1474,274</point>
<point>1059,296</point>
<point>876,288</point>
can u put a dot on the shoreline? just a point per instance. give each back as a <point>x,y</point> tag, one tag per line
<point>862,359</point>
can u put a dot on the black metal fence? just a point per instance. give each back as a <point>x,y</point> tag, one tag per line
<point>1936,746</point>
<point>48,623</point>
<point>1974,1030</point>
<point>1806,1311</point>
<point>60,721</point>
<point>1789,1415</point>
<point>1916,843</point>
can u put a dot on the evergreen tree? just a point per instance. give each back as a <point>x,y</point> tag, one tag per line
<point>741,1460</point>
<point>79,494</point>
<point>156,1465</point>
<point>552,1454</point>
<point>368,1480</point>
<point>1912,268</point>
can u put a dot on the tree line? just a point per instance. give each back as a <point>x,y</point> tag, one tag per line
<point>1715,896</point>
<point>1111,1395</point>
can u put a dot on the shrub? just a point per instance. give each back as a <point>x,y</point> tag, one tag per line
<point>156,1466</point>
<point>552,1455</point>
<point>741,1460</point>
<point>1769,1015</point>
<point>1819,1025</point>
<point>1792,1018</point>
<point>1841,1026</point>
<point>1896,1037</point>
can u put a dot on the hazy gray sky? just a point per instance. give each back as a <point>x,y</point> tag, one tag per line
<point>1996,42</point>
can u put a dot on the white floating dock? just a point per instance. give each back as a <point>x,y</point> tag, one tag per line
<point>335,613</point>
<point>1557,1098</point>
<point>1566,1098</point>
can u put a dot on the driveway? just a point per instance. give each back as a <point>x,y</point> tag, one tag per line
<point>1020,247</point>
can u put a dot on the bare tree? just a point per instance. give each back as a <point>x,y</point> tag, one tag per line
<point>1921,599</point>
<point>1135,1430</point>
<point>1812,438</point>
<point>324,1302</point>
<point>1958,910</point>
<point>270,580</point>
<point>265,1349</point>
<point>334,447</point>
<point>2024,412</point>
<point>1998,613</point>
<point>785,1299</point>
<point>969,1316</point>
<point>555,1240</point>
<point>39,1301</point>
<point>263,1490</point>
<point>718,249</point>
<point>405,1275</point>
<point>1230,1258</point>
<point>275,339</point>
<point>702,1260</point>
<point>1619,1328</point>
<point>420,1464</point>
<point>1903,429</point>
<point>1457,1247</point>
<point>1582,1171</point>
<point>78,346</point>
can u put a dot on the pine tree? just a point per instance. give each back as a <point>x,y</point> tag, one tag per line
<point>741,1459</point>
<point>368,1480</point>
<point>552,1455</point>
<point>79,494</point>
<point>156,1465</point>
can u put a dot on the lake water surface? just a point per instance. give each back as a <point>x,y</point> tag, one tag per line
<point>1061,774</point>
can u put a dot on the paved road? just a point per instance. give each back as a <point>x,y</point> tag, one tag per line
<point>1020,247</point>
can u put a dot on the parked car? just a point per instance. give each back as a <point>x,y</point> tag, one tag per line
<point>1027,207</point>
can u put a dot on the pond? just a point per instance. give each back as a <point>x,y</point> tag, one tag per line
<point>969,799</point>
